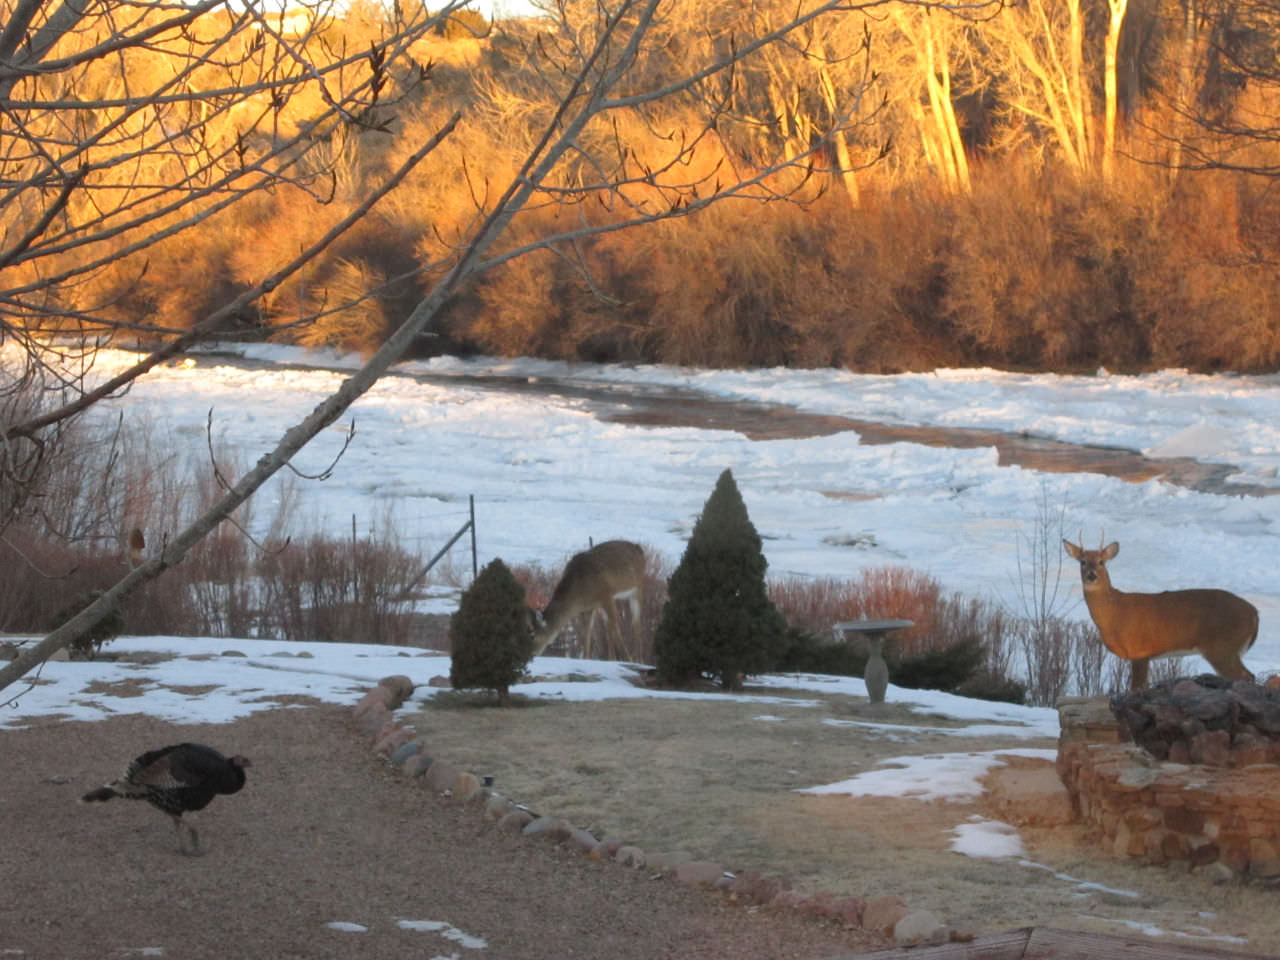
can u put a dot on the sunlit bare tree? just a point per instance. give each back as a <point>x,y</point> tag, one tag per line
<point>591,59</point>
<point>125,126</point>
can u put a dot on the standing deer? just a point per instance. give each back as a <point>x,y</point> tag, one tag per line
<point>592,580</point>
<point>1140,626</point>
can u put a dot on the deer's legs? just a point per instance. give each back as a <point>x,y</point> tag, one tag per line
<point>634,650</point>
<point>614,630</point>
<point>591,629</point>
<point>1229,665</point>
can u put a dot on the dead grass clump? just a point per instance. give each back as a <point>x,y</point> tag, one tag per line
<point>1040,272</point>
<point>1208,267</point>
<point>958,643</point>
<point>69,539</point>
<point>354,591</point>
<point>878,593</point>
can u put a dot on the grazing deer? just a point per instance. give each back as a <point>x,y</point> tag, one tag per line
<point>1140,626</point>
<point>592,580</point>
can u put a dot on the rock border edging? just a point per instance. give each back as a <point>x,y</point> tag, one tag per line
<point>887,915</point>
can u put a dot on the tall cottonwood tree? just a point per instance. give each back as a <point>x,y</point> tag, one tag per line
<point>932,43</point>
<point>573,164</point>
<point>1042,61</point>
<point>1116,12</point>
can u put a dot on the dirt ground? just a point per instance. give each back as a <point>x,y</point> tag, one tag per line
<point>718,779</point>
<point>323,833</point>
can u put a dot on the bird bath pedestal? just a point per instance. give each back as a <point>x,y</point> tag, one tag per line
<point>876,632</point>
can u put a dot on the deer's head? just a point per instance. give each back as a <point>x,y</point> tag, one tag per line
<point>1093,563</point>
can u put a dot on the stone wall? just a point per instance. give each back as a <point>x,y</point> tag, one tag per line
<point>1224,814</point>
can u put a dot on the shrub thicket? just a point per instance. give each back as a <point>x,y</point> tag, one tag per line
<point>942,668</point>
<point>718,619</point>
<point>87,645</point>
<point>808,652</point>
<point>323,588</point>
<point>959,644</point>
<point>490,634</point>
<point>1033,263</point>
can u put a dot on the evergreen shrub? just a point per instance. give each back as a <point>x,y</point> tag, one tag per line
<point>718,619</point>
<point>490,634</point>
<point>87,645</point>
<point>939,668</point>
<point>809,652</point>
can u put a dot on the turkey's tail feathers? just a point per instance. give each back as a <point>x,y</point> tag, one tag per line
<point>101,795</point>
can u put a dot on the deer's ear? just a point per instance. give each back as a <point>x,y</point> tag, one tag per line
<point>1112,549</point>
<point>1072,549</point>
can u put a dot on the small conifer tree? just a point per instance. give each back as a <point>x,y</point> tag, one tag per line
<point>491,635</point>
<point>718,618</point>
<point>87,646</point>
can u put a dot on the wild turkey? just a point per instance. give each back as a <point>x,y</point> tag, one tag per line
<point>177,779</point>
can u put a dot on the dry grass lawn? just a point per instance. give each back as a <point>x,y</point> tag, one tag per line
<point>718,779</point>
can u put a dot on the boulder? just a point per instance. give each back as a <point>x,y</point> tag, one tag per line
<point>466,787</point>
<point>630,856</point>
<point>609,846</point>
<point>663,862</point>
<point>440,776</point>
<point>496,807</point>
<point>376,697</point>
<point>754,887</point>
<point>406,752</point>
<point>515,821</point>
<point>921,928</point>
<point>552,828</point>
<point>582,841</point>
<point>1205,720</point>
<point>392,741</point>
<point>401,688</point>
<point>881,914</point>
<point>372,723</point>
<point>848,910</point>
<point>791,899</point>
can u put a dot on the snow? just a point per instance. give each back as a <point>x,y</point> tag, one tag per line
<point>1197,933</point>
<point>934,776</point>
<point>547,475</point>
<point>446,930</point>
<point>979,837</point>
<point>208,680</point>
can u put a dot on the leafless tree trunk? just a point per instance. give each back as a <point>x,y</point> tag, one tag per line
<point>1115,23</point>
<point>1044,68</point>
<point>931,40</point>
